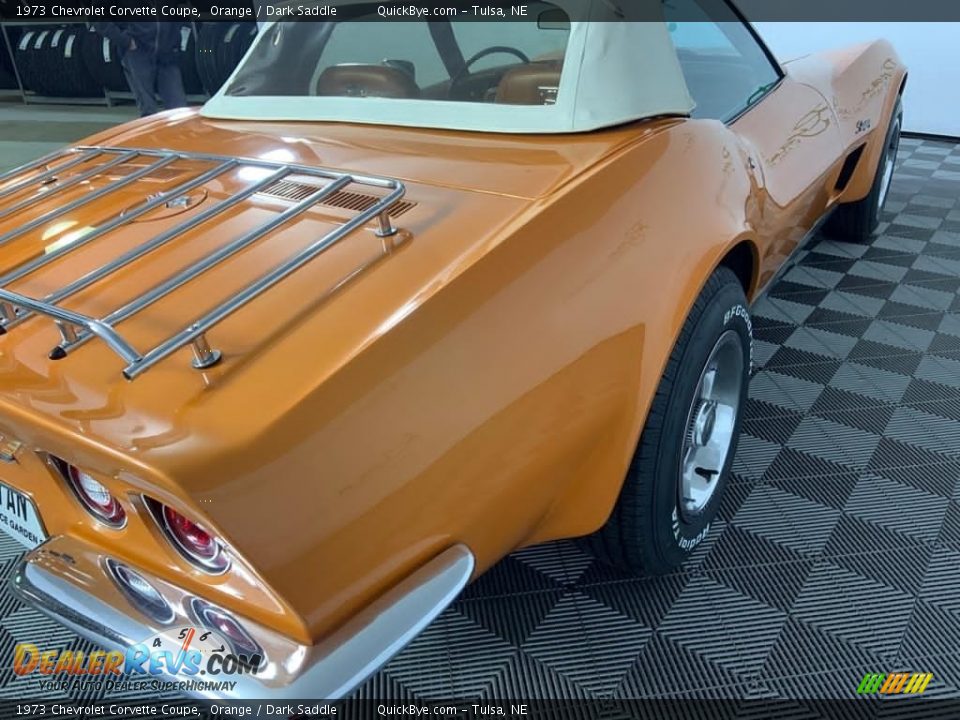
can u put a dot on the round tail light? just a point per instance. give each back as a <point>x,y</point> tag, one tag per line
<point>193,540</point>
<point>138,590</point>
<point>94,496</point>
<point>221,622</point>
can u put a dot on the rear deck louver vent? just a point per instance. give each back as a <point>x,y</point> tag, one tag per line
<point>297,191</point>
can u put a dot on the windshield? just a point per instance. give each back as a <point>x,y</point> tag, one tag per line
<point>517,63</point>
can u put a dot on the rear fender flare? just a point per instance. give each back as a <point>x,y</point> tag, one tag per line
<point>566,518</point>
<point>866,92</point>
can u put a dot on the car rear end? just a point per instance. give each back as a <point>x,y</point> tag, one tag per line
<point>121,556</point>
<point>182,459</point>
<point>94,462</point>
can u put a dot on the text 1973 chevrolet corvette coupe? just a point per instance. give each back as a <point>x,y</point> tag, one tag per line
<point>401,298</point>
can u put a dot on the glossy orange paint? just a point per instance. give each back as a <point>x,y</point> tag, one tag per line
<point>483,380</point>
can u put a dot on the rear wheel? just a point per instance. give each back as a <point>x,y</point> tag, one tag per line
<point>859,220</point>
<point>679,471</point>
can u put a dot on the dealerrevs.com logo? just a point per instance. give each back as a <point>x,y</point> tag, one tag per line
<point>187,658</point>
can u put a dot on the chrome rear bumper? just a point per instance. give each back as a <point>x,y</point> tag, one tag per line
<point>69,581</point>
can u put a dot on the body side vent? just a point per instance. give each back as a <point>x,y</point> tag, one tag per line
<point>849,165</point>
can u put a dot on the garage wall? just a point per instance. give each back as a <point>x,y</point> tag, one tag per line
<point>930,50</point>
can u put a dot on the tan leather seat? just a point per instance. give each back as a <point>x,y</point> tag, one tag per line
<point>532,84</point>
<point>367,81</point>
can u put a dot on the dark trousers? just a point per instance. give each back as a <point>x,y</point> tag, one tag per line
<point>149,77</point>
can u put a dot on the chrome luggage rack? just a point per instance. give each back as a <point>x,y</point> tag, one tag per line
<point>76,328</point>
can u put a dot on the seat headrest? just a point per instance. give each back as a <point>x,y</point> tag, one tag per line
<point>534,83</point>
<point>358,80</point>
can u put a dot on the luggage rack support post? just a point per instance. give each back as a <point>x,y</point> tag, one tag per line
<point>68,332</point>
<point>385,226</point>
<point>203,355</point>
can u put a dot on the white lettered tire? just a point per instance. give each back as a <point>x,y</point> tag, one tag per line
<point>680,469</point>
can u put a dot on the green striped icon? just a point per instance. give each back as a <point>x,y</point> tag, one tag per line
<point>894,683</point>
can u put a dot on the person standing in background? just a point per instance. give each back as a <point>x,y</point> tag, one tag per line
<point>149,54</point>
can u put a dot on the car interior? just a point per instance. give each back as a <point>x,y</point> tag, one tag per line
<point>525,82</point>
<point>719,84</point>
<point>449,62</point>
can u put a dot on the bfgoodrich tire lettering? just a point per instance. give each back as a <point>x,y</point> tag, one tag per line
<point>654,527</point>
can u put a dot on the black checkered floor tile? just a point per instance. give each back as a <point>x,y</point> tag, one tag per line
<point>837,552</point>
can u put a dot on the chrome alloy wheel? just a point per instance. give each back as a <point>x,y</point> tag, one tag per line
<point>889,162</point>
<point>711,422</point>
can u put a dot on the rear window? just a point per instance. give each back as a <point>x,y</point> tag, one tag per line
<point>516,63</point>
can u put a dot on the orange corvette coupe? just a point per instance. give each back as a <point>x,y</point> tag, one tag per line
<point>401,298</point>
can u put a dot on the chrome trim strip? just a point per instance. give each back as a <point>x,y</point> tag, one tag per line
<point>76,328</point>
<point>367,643</point>
<point>330,669</point>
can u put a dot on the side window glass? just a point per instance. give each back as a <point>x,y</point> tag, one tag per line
<point>725,68</point>
<point>536,43</point>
